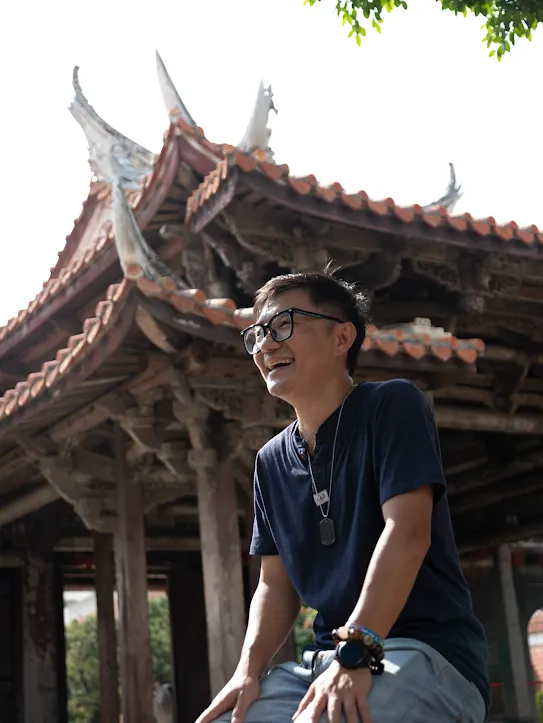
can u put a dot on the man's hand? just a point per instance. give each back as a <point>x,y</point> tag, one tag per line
<point>337,690</point>
<point>237,695</point>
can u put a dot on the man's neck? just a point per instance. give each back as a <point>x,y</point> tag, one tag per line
<point>316,409</point>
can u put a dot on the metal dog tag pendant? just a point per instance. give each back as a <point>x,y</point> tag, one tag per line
<point>321,498</point>
<point>328,531</point>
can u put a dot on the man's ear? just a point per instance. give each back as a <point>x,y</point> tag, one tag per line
<point>345,336</point>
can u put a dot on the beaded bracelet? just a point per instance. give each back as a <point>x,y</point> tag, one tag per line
<point>371,641</point>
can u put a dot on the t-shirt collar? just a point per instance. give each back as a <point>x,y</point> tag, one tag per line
<point>327,430</point>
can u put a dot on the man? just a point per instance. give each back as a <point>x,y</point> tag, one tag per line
<point>351,518</point>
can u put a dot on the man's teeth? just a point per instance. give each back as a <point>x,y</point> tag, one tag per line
<point>278,363</point>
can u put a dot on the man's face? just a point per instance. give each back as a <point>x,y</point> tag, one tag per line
<point>308,357</point>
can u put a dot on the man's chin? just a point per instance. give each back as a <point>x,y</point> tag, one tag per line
<point>279,388</point>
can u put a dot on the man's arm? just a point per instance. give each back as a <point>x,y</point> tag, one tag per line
<point>273,611</point>
<point>396,560</point>
<point>408,470</point>
<point>274,608</point>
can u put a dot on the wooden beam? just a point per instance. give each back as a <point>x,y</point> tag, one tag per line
<point>382,224</point>
<point>107,635</point>
<point>487,421</point>
<point>27,503</point>
<point>516,488</point>
<point>94,414</point>
<point>131,573</point>
<point>515,533</point>
<point>153,543</point>
<point>518,466</point>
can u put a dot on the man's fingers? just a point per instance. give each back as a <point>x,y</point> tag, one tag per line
<point>219,706</point>
<point>364,709</point>
<point>243,702</point>
<point>334,711</point>
<point>306,700</point>
<point>316,709</point>
<point>350,710</point>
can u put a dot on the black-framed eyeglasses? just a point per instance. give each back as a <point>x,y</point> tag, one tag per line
<point>280,326</point>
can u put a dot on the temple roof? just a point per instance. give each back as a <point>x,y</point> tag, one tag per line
<point>113,155</point>
<point>82,355</point>
<point>135,182</point>
<point>252,171</point>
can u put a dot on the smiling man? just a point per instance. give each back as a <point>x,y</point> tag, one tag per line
<point>352,518</point>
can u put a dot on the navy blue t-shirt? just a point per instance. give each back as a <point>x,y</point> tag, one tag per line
<point>387,445</point>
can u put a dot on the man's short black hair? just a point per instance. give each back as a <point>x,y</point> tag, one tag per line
<point>327,292</point>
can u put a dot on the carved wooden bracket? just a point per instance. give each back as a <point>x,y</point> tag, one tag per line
<point>474,278</point>
<point>72,473</point>
<point>140,424</point>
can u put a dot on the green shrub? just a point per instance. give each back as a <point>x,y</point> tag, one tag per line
<point>539,705</point>
<point>303,630</point>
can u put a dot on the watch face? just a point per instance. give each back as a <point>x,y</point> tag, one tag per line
<point>351,654</point>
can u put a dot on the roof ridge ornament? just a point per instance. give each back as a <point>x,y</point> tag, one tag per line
<point>136,257</point>
<point>111,154</point>
<point>172,100</point>
<point>257,136</point>
<point>451,196</point>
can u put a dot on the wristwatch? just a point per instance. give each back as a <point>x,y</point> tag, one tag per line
<point>353,654</point>
<point>359,647</point>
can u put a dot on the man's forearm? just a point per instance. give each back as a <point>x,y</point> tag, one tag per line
<point>391,575</point>
<point>271,618</point>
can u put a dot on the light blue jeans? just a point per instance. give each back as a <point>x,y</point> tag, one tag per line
<point>417,686</point>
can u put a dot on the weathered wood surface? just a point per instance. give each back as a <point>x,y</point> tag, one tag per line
<point>107,634</point>
<point>189,639</point>
<point>223,585</point>
<point>219,533</point>
<point>131,576</point>
<point>41,662</point>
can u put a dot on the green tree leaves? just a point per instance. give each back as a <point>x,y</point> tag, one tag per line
<point>82,660</point>
<point>505,20</point>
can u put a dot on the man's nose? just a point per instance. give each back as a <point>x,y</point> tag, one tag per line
<point>268,343</point>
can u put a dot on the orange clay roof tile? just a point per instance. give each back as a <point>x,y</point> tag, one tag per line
<point>53,370</point>
<point>104,237</point>
<point>335,193</point>
<point>414,344</point>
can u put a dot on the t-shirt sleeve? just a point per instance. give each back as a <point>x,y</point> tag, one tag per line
<point>406,453</point>
<point>263,542</point>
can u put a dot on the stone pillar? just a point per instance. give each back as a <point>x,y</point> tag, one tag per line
<point>516,637</point>
<point>189,638</point>
<point>107,634</point>
<point>42,664</point>
<point>131,576</point>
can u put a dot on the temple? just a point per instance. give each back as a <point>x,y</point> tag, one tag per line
<point>130,414</point>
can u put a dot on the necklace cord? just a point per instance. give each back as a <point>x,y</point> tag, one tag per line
<point>315,490</point>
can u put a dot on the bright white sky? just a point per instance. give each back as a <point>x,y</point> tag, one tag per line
<point>386,118</point>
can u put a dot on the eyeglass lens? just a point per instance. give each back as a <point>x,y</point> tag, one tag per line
<point>280,328</point>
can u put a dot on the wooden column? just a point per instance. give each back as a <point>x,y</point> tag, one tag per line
<point>189,639</point>
<point>12,694</point>
<point>41,662</point>
<point>516,637</point>
<point>62,676</point>
<point>131,574</point>
<point>107,635</point>
<point>221,559</point>
<point>219,534</point>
